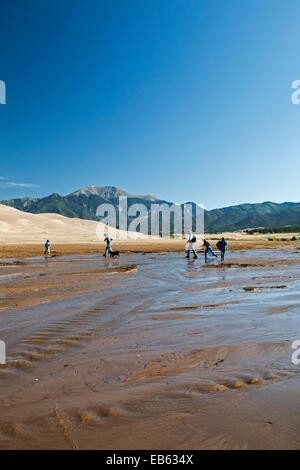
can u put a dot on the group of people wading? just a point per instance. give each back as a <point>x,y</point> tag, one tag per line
<point>221,245</point>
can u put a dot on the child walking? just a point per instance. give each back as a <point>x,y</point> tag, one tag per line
<point>47,248</point>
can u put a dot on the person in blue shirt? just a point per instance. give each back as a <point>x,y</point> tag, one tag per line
<point>47,248</point>
<point>221,245</point>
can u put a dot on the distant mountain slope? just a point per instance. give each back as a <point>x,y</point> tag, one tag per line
<point>83,204</point>
<point>266,214</point>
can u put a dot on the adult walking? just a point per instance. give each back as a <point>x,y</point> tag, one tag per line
<point>108,241</point>
<point>222,245</point>
<point>208,249</point>
<point>190,245</point>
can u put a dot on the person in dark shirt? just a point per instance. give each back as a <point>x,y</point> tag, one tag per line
<point>222,245</point>
<point>208,249</point>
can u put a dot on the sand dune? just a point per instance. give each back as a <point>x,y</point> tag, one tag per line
<point>22,227</point>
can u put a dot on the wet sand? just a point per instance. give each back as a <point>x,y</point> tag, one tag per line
<point>150,351</point>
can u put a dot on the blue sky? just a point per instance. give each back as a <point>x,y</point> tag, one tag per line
<point>182,99</point>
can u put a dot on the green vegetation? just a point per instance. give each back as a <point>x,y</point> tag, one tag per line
<point>280,229</point>
<point>278,239</point>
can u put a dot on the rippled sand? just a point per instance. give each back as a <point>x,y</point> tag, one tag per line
<point>150,352</point>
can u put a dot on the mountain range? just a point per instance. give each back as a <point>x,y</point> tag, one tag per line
<point>83,204</point>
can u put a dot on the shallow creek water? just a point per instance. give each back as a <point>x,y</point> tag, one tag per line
<point>150,351</point>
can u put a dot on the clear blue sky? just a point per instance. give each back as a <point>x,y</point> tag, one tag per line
<point>182,99</point>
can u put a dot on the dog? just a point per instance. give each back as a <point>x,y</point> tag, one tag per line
<point>114,253</point>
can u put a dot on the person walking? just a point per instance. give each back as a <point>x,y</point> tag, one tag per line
<point>108,241</point>
<point>222,245</point>
<point>190,245</point>
<point>47,248</point>
<point>208,249</point>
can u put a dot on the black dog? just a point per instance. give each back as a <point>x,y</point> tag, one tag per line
<point>114,253</point>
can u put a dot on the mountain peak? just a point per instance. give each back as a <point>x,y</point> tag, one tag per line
<point>108,192</point>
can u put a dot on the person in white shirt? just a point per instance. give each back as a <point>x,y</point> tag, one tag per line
<point>108,241</point>
<point>190,245</point>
